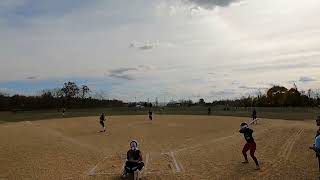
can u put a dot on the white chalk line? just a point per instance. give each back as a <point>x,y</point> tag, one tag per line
<point>204,144</point>
<point>72,140</point>
<point>208,142</point>
<point>147,161</point>
<point>68,139</point>
<point>178,166</point>
<point>92,170</point>
<point>182,168</point>
<point>178,170</point>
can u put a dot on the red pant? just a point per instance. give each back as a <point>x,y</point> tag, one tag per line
<point>252,148</point>
<point>249,146</point>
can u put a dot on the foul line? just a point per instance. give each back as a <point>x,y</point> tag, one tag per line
<point>91,172</point>
<point>209,142</point>
<point>205,144</point>
<point>147,161</point>
<point>175,162</point>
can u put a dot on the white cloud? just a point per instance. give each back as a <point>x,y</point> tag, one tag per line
<point>189,53</point>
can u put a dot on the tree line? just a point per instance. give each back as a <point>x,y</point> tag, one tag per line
<point>276,96</point>
<point>73,96</point>
<point>69,96</point>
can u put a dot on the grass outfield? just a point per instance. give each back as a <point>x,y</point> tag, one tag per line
<point>271,113</point>
<point>173,147</point>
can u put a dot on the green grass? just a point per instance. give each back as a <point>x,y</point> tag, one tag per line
<point>272,113</point>
<point>51,114</point>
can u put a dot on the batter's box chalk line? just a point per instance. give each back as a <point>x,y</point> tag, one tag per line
<point>176,167</point>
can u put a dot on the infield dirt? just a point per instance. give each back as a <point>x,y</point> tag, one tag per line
<point>173,147</point>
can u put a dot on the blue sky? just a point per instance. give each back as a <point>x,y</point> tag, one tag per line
<point>172,49</point>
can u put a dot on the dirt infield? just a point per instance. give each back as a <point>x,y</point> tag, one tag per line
<point>174,147</point>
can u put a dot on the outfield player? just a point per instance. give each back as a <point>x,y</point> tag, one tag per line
<point>150,115</point>
<point>102,119</point>
<point>254,116</point>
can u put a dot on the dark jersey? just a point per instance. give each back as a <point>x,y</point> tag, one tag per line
<point>102,118</point>
<point>254,113</point>
<point>150,113</point>
<point>247,133</point>
<point>315,149</point>
<point>134,155</point>
<point>318,133</point>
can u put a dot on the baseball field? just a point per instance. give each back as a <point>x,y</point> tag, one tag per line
<point>173,147</point>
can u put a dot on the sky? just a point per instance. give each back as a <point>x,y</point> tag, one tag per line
<point>170,49</point>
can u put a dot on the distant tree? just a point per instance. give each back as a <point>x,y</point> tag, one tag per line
<point>67,96</point>
<point>16,102</point>
<point>246,101</point>
<point>277,95</point>
<point>47,94</point>
<point>201,101</point>
<point>84,91</point>
<point>293,97</point>
<point>187,103</point>
<point>4,101</point>
<point>47,99</point>
<point>70,89</point>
